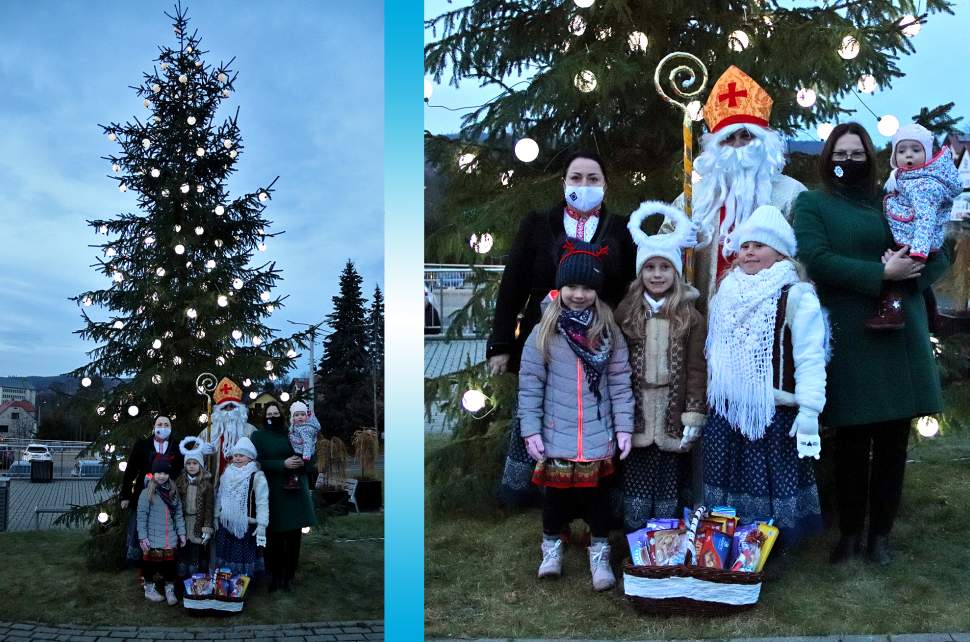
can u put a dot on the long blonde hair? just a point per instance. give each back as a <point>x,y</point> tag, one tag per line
<point>603,325</point>
<point>631,316</point>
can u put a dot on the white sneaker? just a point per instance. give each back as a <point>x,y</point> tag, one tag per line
<point>551,565</point>
<point>170,595</point>
<point>151,593</point>
<point>599,567</point>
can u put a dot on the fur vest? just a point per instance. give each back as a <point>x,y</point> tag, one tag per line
<point>204,502</point>
<point>669,380</point>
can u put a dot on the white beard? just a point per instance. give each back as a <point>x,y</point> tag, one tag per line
<point>737,178</point>
<point>229,425</point>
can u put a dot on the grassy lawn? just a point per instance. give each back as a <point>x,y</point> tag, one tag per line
<point>480,576</point>
<point>43,579</point>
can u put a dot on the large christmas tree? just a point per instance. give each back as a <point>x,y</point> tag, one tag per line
<point>580,74</point>
<point>183,297</point>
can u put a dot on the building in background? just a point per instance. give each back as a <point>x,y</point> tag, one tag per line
<point>17,420</point>
<point>22,391</point>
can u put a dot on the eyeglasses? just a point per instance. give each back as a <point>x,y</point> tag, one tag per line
<point>857,155</point>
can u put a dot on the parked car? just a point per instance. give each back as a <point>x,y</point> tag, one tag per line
<point>89,468</point>
<point>37,452</point>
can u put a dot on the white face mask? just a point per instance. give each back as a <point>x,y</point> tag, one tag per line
<point>162,433</point>
<point>583,197</point>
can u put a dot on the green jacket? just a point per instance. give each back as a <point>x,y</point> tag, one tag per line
<point>288,509</point>
<point>874,376</point>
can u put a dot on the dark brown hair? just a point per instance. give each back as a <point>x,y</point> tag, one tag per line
<point>593,156</point>
<point>825,164</point>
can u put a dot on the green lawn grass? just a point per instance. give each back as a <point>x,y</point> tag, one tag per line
<point>43,579</point>
<point>480,576</point>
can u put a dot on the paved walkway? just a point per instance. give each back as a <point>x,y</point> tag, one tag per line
<point>308,632</point>
<point>25,497</point>
<point>442,357</point>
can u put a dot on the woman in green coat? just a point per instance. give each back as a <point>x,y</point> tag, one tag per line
<point>878,380</point>
<point>289,510</point>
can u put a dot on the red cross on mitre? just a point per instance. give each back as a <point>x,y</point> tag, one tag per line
<point>227,390</point>
<point>732,94</point>
<point>736,98</point>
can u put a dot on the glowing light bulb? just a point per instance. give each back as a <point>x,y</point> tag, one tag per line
<point>112,136</point>
<point>695,109</point>
<point>160,271</point>
<point>200,152</point>
<point>291,353</point>
<point>824,130</point>
<point>103,229</point>
<point>210,264</point>
<point>157,379</point>
<point>805,97</point>
<point>191,313</point>
<point>269,365</point>
<point>157,343</point>
<point>101,410</point>
<point>156,87</point>
<point>223,300</point>
<point>88,301</point>
<point>185,188</point>
<point>910,25</point>
<point>506,177</point>
<point>261,247</point>
<point>133,410</point>
<point>103,517</point>
<point>585,81</point>
<point>305,530</point>
<point>146,143</point>
<point>927,426</point>
<point>526,150</point>
<point>584,4</point>
<point>86,382</point>
<point>232,154</point>
<point>203,418</point>
<point>199,231</point>
<point>738,41</point>
<point>180,249</point>
<point>222,77</point>
<point>257,340</point>
<point>252,395</point>
<point>177,360</point>
<point>220,361</point>
<point>122,465</point>
<point>118,277</point>
<point>190,120</point>
<point>284,397</point>
<point>118,325</point>
<point>237,283</point>
<point>263,197</point>
<point>115,167</point>
<point>183,79</point>
<point>220,210</point>
<point>247,382</point>
<point>264,296</point>
<point>888,125</point>
<point>473,400</point>
<point>637,41</point>
<point>849,48</point>
<point>482,244</point>
<point>867,84</point>
<point>122,188</point>
<point>227,143</point>
<point>577,26</point>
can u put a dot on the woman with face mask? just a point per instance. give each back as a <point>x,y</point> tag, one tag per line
<point>530,274</point>
<point>878,381</point>
<point>160,445</point>
<point>530,268</point>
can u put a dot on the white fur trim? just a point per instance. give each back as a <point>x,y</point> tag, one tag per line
<point>665,245</point>
<point>189,441</point>
<point>693,419</point>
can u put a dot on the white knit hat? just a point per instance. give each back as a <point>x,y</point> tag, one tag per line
<point>298,406</point>
<point>195,453</point>
<point>244,446</point>
<point>767,225</point>
<point>668,246</point>
<point>915,132</point>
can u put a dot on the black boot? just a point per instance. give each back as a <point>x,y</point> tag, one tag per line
<point>878,550</point>
<point>849,546</point>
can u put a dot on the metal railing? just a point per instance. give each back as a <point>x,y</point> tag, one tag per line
<point>448,287</point>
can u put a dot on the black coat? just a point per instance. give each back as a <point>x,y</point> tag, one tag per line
<point>140,464</point>
<point>530,273</point>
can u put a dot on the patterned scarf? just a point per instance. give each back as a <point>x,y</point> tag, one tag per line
<point>574,327</point>
<point>740,340</point>
<point>234,498</point>
<point>165,492</point>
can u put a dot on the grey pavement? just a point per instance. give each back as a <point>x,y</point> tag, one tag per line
<point>917,637</point>
<point>306,632</point>
<point>25,497</point>
<point>442,357</point>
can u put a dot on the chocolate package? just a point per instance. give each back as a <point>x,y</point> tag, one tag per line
<point>639,551</point>
<point>667,547</point>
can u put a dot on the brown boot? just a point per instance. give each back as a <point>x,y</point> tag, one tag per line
<point>889,311</point>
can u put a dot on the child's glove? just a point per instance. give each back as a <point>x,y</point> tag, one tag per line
<point>261,536</point>
<point>805,432</point>
<point>145,545</point>
<point>691,434</point>
<point>624,441</point>
<point>206,534</point>
<point>208,449</point>
<point>533,445</point>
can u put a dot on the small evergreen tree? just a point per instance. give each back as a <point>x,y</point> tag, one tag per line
<point>343,391</point>
<point>375,350</point>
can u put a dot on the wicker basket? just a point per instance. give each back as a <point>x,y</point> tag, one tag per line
<point>690,590</point>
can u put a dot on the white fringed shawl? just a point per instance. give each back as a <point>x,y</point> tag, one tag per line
<point>740,340</point>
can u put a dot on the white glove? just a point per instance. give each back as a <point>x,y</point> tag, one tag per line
<point>701,233</point>
<point>691,434</point>
<point>533,444</point>
<point>261,536</point>
<point>206,534</point>
<point>624,441</point>
<point>805,432</point>
<point>208,449</point>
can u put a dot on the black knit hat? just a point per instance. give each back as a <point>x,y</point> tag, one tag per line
<point>580,264</point>
<point>162,465</point>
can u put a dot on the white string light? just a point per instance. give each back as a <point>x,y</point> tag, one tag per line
<point>805,97</point>
<point>473,400</point>
<point>86,382</point>
<point>526,150</point>
<point>824,130</point>
<point>637,41</point>
<point>888,125</point>
<point>585,81</point>
<point>738,41</point>
<point>849,48</point>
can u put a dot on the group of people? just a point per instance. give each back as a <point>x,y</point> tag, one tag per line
<point>244,512</point>
<point>806,307</point>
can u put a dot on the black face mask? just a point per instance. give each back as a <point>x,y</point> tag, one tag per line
<point>271,423</point>
<point>850,172</point>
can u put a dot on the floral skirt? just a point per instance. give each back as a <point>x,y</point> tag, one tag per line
<point>239,554</point>
<point>762,479</point>
<point>562,473</point>
<point>654,484</point>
